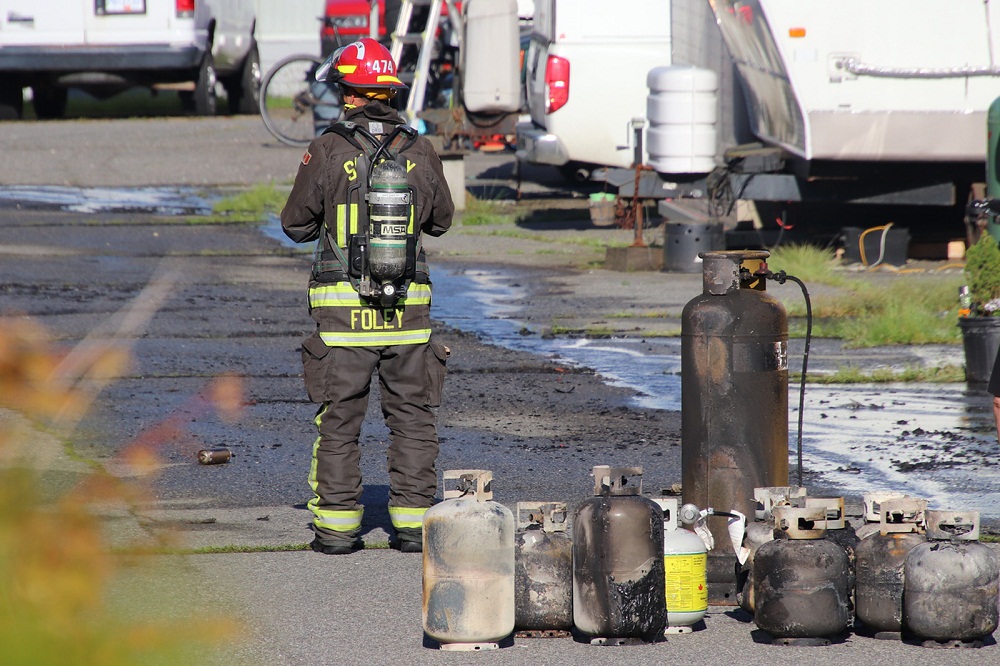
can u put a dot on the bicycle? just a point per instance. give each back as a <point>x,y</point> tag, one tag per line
<point>294,106</point>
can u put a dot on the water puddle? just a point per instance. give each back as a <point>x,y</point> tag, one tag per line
<point>935,441</point>
<point>154,200</point>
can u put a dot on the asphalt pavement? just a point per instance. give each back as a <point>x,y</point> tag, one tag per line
<point>236,308</point>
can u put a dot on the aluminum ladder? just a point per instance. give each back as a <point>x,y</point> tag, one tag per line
<point>414,39</point>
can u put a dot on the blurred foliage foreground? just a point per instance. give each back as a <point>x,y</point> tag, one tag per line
<point>61,599</point>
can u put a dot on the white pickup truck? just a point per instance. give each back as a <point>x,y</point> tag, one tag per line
<point>107,46</point>
<point>585,80</point>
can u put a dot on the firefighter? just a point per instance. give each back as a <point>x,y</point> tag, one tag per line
<point>361,326</point>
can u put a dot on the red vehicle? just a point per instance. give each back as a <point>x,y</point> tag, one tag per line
<point>345,21</point>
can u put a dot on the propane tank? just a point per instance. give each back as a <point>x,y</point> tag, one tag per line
<point>685,559</point>
<point>543,571</point>
<point>840,532</point>
<point>734,396</point>
<point>468,576</point>
<point>879,566</point>
<point>950,583</point>
<point>759,532</point>
<point>873,502</point>
<point>800,583</point>
<point>618,584</point>
<point>389,199</point>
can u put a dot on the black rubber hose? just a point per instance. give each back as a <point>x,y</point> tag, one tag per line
<point>781,277</point>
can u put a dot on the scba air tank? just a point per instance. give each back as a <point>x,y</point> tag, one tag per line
<point>543,570</point>
<point>684,570</point>
<point>801,593</point>
<point>468,573</point>
<point>618,584</point>
<point>389,210</point>
<point>950,583</point>
<point>734,398</point>
<point>879,560</point>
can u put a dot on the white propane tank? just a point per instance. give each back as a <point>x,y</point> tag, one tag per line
<point>682,111</point>
<point>468,575</point>
<point>685,565</point>
<point>491,79</point>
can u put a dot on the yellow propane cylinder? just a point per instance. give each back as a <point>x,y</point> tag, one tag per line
<point>685,568</point>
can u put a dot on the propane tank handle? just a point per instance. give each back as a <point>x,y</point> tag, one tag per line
<point>478,482</point>
<point>613,480</point>
<point>550,516</point>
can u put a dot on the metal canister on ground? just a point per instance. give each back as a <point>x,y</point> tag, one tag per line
<point>214,456</point>
<point>543,571</point>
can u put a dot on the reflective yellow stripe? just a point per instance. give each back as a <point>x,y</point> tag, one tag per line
<point>342,225</point>
<point>375,339</point>
<point>354,218</point>
<point>342,294</point>
<point>406,517</point>
<point>337,521</point>
<point>409,227</point>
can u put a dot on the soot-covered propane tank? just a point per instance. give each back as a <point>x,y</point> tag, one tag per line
<point>840,532</point>
<point>468,573</point>
<point>734,397</point>
<point>543,571</point>
<point>879,560</point>
<point>618,584</point>
<point>873,509</point>
<point>950,583</point>
<point>800,583</point>
<point>759,532</point>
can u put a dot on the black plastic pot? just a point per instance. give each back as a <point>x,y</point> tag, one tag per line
<point>981,339</point>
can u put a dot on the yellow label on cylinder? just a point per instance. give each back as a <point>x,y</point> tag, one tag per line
<point>686,582</point>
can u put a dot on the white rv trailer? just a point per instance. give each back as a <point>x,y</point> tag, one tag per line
<point>857,101</point>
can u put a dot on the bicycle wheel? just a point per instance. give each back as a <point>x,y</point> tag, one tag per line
<point>294,106</point>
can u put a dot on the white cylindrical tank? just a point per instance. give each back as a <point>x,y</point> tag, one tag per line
<point>468,566</point>
<point>682,111</point>
<point>491,46</point>
<point>685,572</point>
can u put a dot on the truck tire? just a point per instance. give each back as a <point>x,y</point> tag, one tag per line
<point>205,101</point>
<point>11,99</point>
<point>244,89</point>
<point>49,101</point>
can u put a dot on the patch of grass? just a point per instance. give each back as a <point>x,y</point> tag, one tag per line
<point>255,203</point>
<point>484,212</point>
<point>810,264</point>
<point>904,311</point>
<point>948,374</point>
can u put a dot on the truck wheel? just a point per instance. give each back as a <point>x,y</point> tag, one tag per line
<point>205,102</point>
<point>244,90</point>
<point>11,100</point>
<point>49,101</point>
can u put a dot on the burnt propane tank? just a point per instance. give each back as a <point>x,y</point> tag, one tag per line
<point>879,560</point>
<point>685,558</point>
<point>543,571</point>
<point>759,532</point>
<point>734,398</point>
<point>800,583</point>
<point>840,532</point>
<point>950,583</point>
<point>873,502</point>
<point>618,585</point>
<point>468,575</point>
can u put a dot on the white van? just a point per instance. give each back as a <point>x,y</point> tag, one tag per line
<point>107,46</point>
<point>585,78</point>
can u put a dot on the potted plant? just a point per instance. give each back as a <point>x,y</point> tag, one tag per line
<point>980,316</point>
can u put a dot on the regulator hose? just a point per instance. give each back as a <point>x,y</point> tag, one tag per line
<point>781,277</point>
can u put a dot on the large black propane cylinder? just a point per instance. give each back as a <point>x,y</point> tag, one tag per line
<point>950,583</point>
<point>543,571</point>
<point>879,560</point>
<point>734,398</point>
<point>468,575</point>
<point>618,583</point>
<point>759,532</point>
<point>800,583</point>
